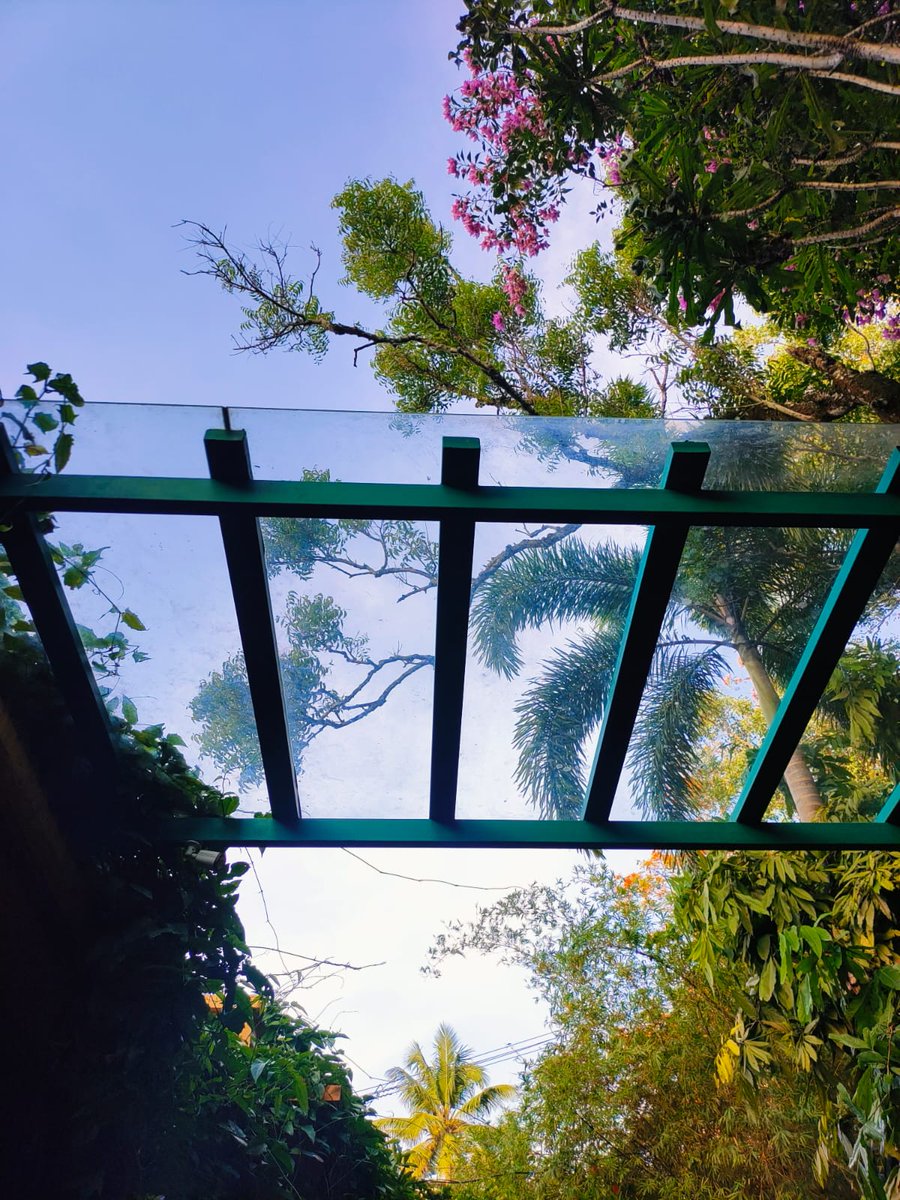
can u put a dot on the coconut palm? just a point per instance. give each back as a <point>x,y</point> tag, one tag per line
<point>447,1098</point>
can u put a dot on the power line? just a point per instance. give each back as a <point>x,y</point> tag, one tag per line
<point>489,1058</point>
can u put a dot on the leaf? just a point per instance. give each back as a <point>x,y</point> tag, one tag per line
<point>65,385</point>
<point>14,592</point>
<point>845,1039</point>
<point>45,422</point>
<point>74,577</point>
<point>132,620</point>
<point>62,451</point>
<point>814,937</point>
<point>39,371</point>
<point>35,451</point>
<point>257,1067</point>
<point>174,739</point>
<point>889,977</point>
<point>129,711</point>
<point>709,17</point>
<point>767,980</point>
<point>301,1095</point>
<point>27,393</point>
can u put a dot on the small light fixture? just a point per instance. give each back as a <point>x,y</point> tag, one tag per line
<point>205,858</point>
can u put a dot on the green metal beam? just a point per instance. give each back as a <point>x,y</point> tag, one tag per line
<point>29,557</point>
<point>846,601</point>
<point>684,470</point>
<point>459,470</point>
<point>890,813</point>
<point>578,835</point>
<point>228,455</point>
<point>429,502</point>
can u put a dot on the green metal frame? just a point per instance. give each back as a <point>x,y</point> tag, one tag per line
<point>457,503</point>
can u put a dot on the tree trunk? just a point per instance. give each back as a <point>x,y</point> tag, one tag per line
<point>848,389</point>
<point>797,775</point>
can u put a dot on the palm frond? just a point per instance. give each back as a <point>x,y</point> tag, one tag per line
<point>567,581</point>
<point>556,717</point>
<point>488,1099</point>
<point>663,753</point>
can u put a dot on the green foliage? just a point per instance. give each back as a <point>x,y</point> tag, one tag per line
<point>391,241</point>
<point>816,938</point>
<point>173,1069</point>
<point>445,337</point>
<point>739,167</point>
<point>622,1102</point>
<point>272,1113</point>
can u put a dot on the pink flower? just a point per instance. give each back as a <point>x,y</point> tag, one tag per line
<point>712,167</point>
<point>791,267</point>
<point>812,341</point>
<point>682,303</point>
<point>754,224</point>
<point>451,167</point>
<point>800,319</point>
<point>715,302</point>
<point>498,322</point>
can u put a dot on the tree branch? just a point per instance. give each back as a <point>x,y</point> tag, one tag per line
<point>844,235</point>
<point>235,274</point>
<point>878,52</point>
<point>533,543</point>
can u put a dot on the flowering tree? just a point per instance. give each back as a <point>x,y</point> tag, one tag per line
<point>447,338</point>
<point>753,148</point>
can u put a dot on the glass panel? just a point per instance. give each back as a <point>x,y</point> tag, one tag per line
<point>132,439</point>
<point>852,744</point>
<point>355,609</point>
<point>744,604</point>
<point>543,637</point>
<point>171,574</point>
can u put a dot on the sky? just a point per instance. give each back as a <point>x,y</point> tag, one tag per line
<point>118,122</point>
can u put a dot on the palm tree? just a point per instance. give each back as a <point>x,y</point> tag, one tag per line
<point>447,1098</point>
<point>753,592</point>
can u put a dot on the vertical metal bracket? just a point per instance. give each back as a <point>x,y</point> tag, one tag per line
<point>228,455</point>
<point>684,471</point>
<point>459,469</point>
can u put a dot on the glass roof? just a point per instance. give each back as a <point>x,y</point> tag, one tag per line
<point>490,616</point>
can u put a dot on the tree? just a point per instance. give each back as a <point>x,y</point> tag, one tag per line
<point>622,1102</point>
<point>447,1097</point>
<point>448,338</point>
<point>753,593</point>
<point>813,938</point>
<point>753,150</point>
<point>331,679</point>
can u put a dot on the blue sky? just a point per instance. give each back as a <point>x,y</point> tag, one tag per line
<point>120,120</point>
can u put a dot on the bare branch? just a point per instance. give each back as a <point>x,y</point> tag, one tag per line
<point>829,164</point>
<point>533,543</point>
<point>879,52</point>
<point>874,85</point>
<point>236,274</point>
<point>845,235</point>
